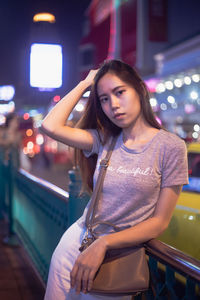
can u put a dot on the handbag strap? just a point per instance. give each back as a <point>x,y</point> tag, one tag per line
<point>98,187</point>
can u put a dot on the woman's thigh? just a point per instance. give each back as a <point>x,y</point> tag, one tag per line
<point>63,259</point>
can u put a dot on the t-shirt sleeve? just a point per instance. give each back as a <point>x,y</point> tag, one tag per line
<point>96,143</point>
<point>175,165</point>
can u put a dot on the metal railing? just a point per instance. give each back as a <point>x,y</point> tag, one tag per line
<point>40,212</point>
<point>174,275</point>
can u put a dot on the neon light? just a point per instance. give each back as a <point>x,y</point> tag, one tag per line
<point>45,17</point>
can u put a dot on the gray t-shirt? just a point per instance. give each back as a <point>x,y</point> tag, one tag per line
<point>134,178</point>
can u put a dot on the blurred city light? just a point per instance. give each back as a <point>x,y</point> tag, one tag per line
<point>194,95</point>
<point>44,17</point>
<point>30,145</point>
<point>86,94</point>
<point>196,77</point>
<point>189,108</point>
<point>46,65</point>
<point>39,139</point>
<point>151,84</point>
<point>171,99</point>
<point>7,92</point>
<point>187,80</point>
<point>174,105</point>
<point>7,108</point>
<point>160,88</point>
<point>178,82</point>
<point>169,85</point>
<point>26,116</point>
<point>71,116</point>
<point>196,127</point>
<point>163,106</point>
<point>56,98</point>
<point>29,132</point>
<point>153,102</point>
<point>79,107</point>
<point>195,135</point>
<point>2,119</point>
<point>33,112</point>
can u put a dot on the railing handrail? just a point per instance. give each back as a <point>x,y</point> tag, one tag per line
<point>180,261</point>
<point>64,195</point>
<point>175,261</point>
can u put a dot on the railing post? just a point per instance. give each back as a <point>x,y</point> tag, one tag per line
<point>13,163</point>
<point>77,199</point>
<point>189,289</point>
<point>170,282</point>
<point>10,194</point>
<point>2,184</point>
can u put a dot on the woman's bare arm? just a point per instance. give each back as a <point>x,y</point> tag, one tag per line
<point>150,228</point>
<point>54,123</point>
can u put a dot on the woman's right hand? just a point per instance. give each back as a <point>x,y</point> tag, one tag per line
<point>90,77</point>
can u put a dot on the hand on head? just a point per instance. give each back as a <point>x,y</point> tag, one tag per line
<point>91,75</point>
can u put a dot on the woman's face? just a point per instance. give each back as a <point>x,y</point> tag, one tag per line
<point>119,101</point>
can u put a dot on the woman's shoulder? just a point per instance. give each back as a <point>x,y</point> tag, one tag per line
<point>171,140</point>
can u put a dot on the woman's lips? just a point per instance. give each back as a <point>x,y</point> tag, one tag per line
<point>119,116</point>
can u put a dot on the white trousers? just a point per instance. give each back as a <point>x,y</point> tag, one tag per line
<point>63,259</point>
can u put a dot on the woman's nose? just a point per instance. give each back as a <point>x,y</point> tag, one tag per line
<point>114,102</point>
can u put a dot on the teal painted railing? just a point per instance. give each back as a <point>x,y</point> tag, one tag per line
<point>40,212</point>
<point>37,213</point>
<point>40,216</point>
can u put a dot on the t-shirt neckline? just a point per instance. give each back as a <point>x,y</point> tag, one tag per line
<point>125,148</point>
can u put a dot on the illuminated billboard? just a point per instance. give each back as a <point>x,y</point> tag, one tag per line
<point>46,66</point>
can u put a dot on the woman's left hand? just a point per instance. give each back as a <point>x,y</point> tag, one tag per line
<point>86,266</point>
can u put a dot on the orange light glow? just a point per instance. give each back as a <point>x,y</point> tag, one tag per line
<point>45,17</point>
<point>37,149</point>
<point>25,150</point>
<point>29,132</point>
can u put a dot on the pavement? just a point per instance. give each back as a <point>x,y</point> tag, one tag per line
<point>18,279</point>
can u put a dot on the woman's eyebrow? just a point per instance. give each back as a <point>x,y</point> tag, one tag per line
<point>118,87</point>
<point>113,90</point>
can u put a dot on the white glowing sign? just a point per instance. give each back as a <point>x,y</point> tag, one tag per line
<point>46,66</point>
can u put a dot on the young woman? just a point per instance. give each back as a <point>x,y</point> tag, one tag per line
<point>147,169</point>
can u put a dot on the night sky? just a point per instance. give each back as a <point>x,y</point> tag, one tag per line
<point>15,23</point>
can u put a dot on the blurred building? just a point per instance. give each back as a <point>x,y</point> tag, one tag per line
<point>177,93</point>
<point>161,39</point>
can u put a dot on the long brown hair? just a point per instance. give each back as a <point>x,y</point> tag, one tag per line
<point>95,118</point>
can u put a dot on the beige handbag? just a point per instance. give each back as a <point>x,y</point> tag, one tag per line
<point>124,271</point>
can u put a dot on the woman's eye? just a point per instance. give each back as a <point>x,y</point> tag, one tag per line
<point>103,99</point>
<point>120,92</point>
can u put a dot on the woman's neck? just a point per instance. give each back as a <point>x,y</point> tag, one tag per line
<point>140,134</point>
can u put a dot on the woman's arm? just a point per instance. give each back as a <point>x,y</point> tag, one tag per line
<point>89,260</point>
<point>150,228</point>
<point>54,123</point>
